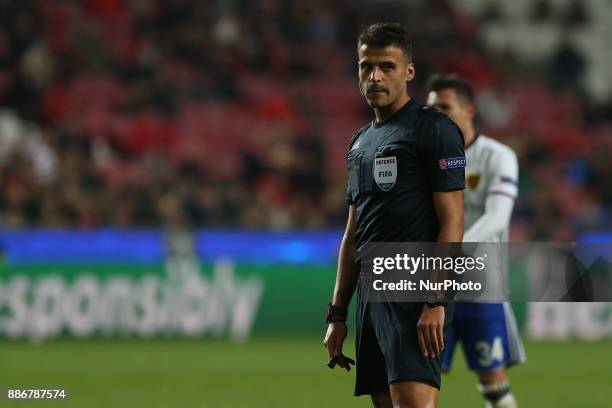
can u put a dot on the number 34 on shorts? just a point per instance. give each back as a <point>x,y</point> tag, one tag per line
<point>490,353</point>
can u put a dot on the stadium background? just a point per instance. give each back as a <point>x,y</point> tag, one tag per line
<point>172,178</point>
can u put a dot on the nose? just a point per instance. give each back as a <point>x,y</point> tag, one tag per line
<point>375,75</point>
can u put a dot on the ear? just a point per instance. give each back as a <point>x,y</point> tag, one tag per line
<point>410,72</point>
<point>470,110</point>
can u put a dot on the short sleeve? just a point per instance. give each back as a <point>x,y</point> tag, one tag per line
<point>348,197</point>
<point>504,173</point>
<point>352,144</point>
<point>442,154</point>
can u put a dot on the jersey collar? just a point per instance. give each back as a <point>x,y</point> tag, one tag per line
<point>407,106</point>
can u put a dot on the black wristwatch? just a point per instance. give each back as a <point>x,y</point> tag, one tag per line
<point>436,304</point>
<point>336,313</point>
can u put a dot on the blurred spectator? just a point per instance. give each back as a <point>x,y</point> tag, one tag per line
<point>237,114</point>
<point>568,68</point>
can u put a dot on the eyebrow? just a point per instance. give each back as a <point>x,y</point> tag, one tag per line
<point>384,62</point>
<point>442,106</point>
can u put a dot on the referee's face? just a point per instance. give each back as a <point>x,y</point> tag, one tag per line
<point>383,73</point>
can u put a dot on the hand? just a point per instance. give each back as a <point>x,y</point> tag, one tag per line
<point>334,339</point>
<point>430,330</point>
<point>343,360</point>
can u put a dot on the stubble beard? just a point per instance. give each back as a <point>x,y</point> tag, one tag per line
<point>378,103</point>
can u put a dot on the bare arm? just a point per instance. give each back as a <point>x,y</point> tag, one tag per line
<point>346,280</point>
<point>449,209</point>
<point>430,327</point>
<point>347,273</point>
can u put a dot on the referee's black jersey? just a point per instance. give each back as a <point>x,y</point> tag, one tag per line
<point>393,169</point>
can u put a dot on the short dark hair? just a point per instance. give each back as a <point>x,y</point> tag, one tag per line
<point>460,85</point>
<point>385,34</point>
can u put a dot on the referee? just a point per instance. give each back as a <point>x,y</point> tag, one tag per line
<point>400,189</point>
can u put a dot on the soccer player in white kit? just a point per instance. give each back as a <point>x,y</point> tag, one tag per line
<point>488,331</point>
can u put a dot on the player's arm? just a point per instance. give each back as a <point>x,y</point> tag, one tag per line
<point>500,199</point>
<point>498,211</point>
<point>346,281</point>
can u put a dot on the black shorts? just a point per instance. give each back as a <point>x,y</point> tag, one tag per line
<point>388,348</point>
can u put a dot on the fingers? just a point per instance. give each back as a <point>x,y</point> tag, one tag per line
<point>430,331</point>
<point>342,362</point>
<point>332,362</point>
<point>430,336</point>
<point>333,342</point>
<point>345,362</point>
<point>421,338</point>
<point>336,347</point>
<point>341,358</point>
<point>327,343</point>
<point>440,333</point>
<point>334,338</point>
<point>434,347</point>
<point>428,341</point>
<point>331,345</point>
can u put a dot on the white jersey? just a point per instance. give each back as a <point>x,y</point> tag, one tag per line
<point>491,187</point>
<point>491,173</point>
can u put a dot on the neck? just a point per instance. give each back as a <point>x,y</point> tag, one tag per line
<point>469,135</point>
<point>383,113</point>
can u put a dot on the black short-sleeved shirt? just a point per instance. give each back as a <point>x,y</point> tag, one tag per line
<point>393,169</point>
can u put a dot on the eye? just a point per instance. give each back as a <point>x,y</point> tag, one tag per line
<point>365,66</point>
<point>442,107</point>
